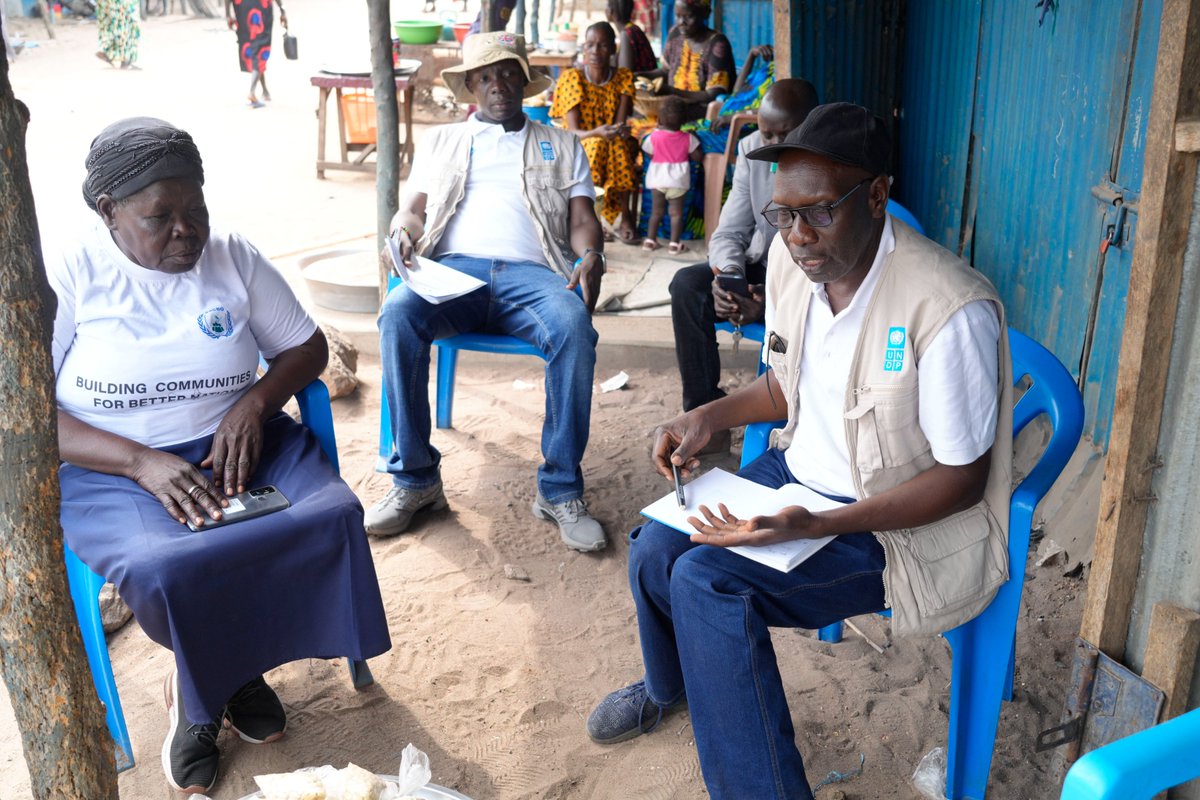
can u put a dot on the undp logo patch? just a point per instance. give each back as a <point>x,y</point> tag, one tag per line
<point>893,354</point>
<point>216,322</point>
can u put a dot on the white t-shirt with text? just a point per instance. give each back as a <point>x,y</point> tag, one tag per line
<point>161,358</point>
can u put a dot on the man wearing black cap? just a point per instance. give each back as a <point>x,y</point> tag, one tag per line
<point>890,363</point>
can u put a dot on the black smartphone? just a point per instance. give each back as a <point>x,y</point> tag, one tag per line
<point>734,283</point>
<point>247,505</point>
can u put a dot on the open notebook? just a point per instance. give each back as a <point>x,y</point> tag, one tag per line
<point>744,499</point>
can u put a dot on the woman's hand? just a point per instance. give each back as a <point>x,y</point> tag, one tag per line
<point>181,488</point>
<point>726,530</point>
<point>763,51</point>
<point>237,447</point>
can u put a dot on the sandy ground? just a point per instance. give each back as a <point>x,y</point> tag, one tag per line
<point>492,677</point>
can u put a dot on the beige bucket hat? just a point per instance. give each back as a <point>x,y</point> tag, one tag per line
<point>482,49</point>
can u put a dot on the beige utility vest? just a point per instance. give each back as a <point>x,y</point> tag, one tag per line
<point>545,186</point>
<point>940,575</point>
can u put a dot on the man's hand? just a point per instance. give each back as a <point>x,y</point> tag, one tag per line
<point>736,308</point>
<point>677,441</point>
<point>588,274</point>
<point>723,529</point>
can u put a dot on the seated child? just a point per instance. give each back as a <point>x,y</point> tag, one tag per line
<point>669,175</point>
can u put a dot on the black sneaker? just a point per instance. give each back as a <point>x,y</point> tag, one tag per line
<point>189,753</point>
<point>255,713</point>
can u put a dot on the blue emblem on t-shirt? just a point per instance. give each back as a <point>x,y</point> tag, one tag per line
<point>547,151</point>
<point>216,322</point>
<point>893,354</point>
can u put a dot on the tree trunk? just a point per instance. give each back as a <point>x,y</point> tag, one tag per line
<point>67,747</point>
<point>387,125</point>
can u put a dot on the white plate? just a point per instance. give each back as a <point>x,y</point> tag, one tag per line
<point>358,69</point>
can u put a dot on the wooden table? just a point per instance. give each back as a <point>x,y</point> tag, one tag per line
<point>547,59</point>
<point>326,83</point>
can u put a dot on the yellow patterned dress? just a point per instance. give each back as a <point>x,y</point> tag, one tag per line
<point>611,160</point>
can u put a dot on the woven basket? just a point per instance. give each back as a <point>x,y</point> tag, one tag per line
<point>648,104</point>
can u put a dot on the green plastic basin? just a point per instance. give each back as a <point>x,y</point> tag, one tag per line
<point>417,31</point>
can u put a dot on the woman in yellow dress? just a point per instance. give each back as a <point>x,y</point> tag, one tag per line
<point>595,102</point>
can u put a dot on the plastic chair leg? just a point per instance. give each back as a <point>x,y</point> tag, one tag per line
<point>85,590</point>
<point>1012,671</point>
<point>385,431</point>
<point>447,362</point>
<point>360,673</point>
<point>978,674</point>
<point>831,633</point>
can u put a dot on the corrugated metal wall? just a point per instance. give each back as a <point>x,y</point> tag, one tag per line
<point>747,23</point>
<point>849,50</point>
<point>1010,146</point>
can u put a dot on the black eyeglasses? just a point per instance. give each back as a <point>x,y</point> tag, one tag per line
<point>783,218</point>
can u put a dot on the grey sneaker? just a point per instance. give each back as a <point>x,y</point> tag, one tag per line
<point>393,514</point>
<point>189,753</point>
<point>576,527</point>
<point>627,713</point>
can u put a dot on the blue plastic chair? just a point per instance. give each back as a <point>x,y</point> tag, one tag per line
<point>982,666</point>
<point>447,365</point>
<point>85,585</point>
<point>1139,766</point>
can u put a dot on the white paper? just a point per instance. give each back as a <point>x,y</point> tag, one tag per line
<point>435,282</point>
<point>744,499</point>
<point>617,381</point>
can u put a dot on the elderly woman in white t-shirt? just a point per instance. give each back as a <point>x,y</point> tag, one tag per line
<point>160,323</point>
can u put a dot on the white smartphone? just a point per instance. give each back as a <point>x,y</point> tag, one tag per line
<point>247,505</point>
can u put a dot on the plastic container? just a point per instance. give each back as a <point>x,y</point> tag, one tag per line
<point>417,31</point>
<point>460,30</point>
<point>358,110</point>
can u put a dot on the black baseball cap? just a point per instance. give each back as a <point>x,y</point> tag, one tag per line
<point>843,132</point>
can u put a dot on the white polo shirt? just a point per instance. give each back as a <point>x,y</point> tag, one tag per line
<point>492,220</point>
<point>957,396</point>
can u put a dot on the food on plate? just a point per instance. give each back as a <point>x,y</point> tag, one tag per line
<point>354,783</point>
<point>291,786</point>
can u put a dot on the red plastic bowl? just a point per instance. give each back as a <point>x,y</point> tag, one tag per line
<point>460,30</point>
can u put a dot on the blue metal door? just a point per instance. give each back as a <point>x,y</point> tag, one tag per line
<point>1021,143</point>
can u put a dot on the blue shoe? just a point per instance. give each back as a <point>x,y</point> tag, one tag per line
<point>627,713</point>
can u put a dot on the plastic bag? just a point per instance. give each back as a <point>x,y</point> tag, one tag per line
<point>930,778</point>
<point>414,770</point>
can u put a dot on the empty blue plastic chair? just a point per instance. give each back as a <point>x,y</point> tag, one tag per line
<point>904,215</point>
<point>982,665</point>
<point>1139,766</point>
<point>85,585</point>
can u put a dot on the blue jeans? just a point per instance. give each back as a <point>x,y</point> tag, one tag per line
<point>521,299</point>
<point>703,616</point>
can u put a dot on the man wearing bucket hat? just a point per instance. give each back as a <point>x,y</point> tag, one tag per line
<point>916,462</point>
<point>509,201</point>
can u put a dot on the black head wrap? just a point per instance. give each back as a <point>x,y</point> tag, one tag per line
<point>133,153</point>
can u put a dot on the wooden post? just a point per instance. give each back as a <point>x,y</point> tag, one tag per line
<point>783,39</point>
<point>1170,657</point>
<point>1187,135</point>
<point>67,748</point>
<point>387,126</point>
<point>1167,187</point>
<point>485,15</point>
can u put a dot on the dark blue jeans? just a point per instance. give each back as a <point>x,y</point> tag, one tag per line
<point>521,299</point>
<point>703,616</point>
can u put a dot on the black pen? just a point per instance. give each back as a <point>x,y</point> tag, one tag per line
<point>678,487</point>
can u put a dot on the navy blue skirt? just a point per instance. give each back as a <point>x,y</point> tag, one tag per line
<point>236,601</point>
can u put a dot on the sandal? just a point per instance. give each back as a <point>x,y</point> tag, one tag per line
<point>649,244</point>
<point>675,248</point>
<point>100,54</point>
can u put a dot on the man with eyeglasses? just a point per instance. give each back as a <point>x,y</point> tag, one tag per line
<point>737,247</point>
<point>890,362</point>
